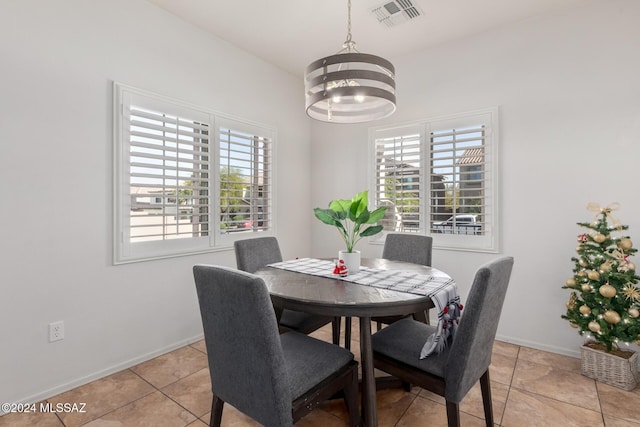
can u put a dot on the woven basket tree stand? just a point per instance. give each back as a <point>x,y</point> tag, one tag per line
<point>609,368</point>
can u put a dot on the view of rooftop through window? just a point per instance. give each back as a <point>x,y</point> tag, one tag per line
<point>457,180</point>
<point>437,177</point>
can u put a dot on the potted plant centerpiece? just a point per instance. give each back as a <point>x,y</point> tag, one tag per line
<point>354,221</point>
<point>604,304</point>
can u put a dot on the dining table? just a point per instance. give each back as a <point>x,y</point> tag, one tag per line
<point>331,296</point>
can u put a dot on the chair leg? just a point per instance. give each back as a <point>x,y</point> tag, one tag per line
<point>485,386</point>
<point>216,412</point>
<point>453,414</point>
<point>347,333</point>
<point>378,326</point>
<point>335,329</point>
<point>351,399</point>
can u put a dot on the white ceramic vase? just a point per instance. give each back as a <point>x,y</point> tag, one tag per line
<point>351,260</point>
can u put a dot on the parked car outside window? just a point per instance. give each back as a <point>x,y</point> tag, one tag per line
<point>458,224</point>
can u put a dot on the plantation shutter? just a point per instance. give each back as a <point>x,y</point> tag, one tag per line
<point>186,180</point>
<point>459,173</point>
<point>245,186</point>
<point>439,177</point>
<point>397,174</point>
<point>168,175</point>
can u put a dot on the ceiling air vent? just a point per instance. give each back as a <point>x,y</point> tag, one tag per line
<point>395,12</point>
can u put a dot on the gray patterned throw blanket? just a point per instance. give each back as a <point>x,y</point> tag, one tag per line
<point>438,286</point>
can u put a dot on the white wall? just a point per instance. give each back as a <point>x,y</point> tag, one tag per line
<point>568,89</point>
<point>58,59</point>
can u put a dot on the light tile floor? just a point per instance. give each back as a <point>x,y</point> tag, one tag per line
<point>530,388</point>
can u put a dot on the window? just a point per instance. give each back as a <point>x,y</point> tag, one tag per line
<point>245,184</point>
<point>398,168</point>
<point>187,180</point>
<point>439,177</point>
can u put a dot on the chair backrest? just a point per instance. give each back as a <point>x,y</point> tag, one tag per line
<point>408,248</point>
<point>470,353</point>
<point>246,362</point>
<point>252,254</point>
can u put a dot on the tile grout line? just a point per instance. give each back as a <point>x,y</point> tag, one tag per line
<point>406,409</point>
<point>179,404</point>
<point>128,403</point>
<point>510,385</point>
<point>552,398</point>
<point>165,395</point>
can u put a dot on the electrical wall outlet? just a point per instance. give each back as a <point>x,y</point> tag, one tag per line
<point>56,331</point>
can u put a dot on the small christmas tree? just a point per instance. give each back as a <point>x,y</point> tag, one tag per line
<point>604,302</point>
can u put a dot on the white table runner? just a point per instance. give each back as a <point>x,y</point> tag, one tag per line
<point>438,286</point>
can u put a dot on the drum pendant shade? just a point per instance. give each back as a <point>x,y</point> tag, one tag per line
<point>350,87</point>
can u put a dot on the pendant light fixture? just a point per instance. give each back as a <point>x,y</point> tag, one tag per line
<point>350,87</point>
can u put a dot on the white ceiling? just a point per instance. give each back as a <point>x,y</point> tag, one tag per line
<point>293,33</point>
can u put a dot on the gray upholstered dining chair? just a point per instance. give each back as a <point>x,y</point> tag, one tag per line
<point>452,372</point>
<point>252,254</point>
<point>274,378</point>
<point>412,248</point>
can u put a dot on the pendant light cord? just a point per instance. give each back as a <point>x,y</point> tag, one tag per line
<point>348,43</point>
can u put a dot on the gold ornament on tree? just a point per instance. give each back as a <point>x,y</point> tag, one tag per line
<point>571,304</point>
<point>633,312</point>
<point>585,310</point>
<point>607,291</point>
<point>625,244</point>
<point>630,292</point>
<point>599,238</point>
<point>594,327</point>
<point>606,267</point>
<point>611,316</point>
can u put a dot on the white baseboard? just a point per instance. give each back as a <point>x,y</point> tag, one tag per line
<point>540,346</point>
<point>54,391</point>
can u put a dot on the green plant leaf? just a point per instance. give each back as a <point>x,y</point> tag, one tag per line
<point>352,218</point>
<point>377,215</point>
<point>353,211</point>
<point>340,205</point>
<point>325,215</point>
<point>370,231</point>
<point>361,201</point>
<point>363,218</point>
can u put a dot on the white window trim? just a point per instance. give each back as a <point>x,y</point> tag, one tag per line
<point>124,253</point>
<point>490,242</point>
